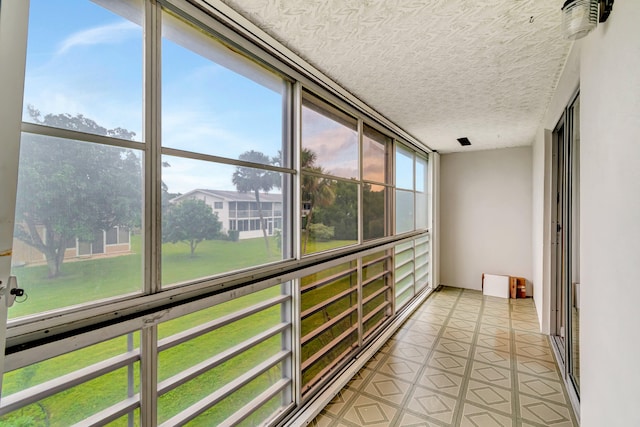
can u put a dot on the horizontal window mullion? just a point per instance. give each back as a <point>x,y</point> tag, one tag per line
<point>370,333</point>
<point>112,413</point>
<point>400,292</point>
<point>327,280</point>
<point>225,391</point>
<point>421,254</point>
<point>376,310</point>
<point>255,404</point>
<point>65,382</point>
<point>202,367</point>
<point>74,135</point>
<point>331,177</point>
<point>335,362</point>
<point>403,263</point>
<point>197,331</point>
<point>224,160</point>
<point>326,303</point>
<point>311,335</point>
<point>376,277</point>
<point>375,294</point>
<point>320,353</point>
<point>375,261</point>
<point>31,331</point>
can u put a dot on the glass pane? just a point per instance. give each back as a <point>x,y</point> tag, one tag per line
<point>422,211</point>
<point>376,292</point>
<point>404,168</point>
<point>329,142</point>
<point>374,155</point>
<point>329,320</point>
<point>85,74</point>
<point>329,213</point>
<point>404,211</point>
<point>199,241</point>
<point>63,408</point>
<point>217,102</point>
<point>70,190</point>
<point>203,349</point>
<point>236,402</point>
<point>421,174</point>
<point>404,277</point>
<point>374,218</point>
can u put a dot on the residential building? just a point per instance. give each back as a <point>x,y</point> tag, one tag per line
<point>239,211</point>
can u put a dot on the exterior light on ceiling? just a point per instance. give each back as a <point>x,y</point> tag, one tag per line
<point>579,17</point>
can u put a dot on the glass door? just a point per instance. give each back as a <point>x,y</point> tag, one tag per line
<point>558,242</point>
<point>573,315</point>
<point>565,315</point>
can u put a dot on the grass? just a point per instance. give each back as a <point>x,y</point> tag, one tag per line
<point>94,279</point>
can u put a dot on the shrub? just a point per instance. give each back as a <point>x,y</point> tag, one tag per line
<point>234,235</point>
<point>321,232</point>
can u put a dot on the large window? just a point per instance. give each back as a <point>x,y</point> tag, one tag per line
<point>168,277</point>
<point>81,157</point>
<point>330,177</point>
<point>209,96</point>
<point>375,188</point>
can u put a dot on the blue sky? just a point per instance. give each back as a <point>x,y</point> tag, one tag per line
<point>84,59</point>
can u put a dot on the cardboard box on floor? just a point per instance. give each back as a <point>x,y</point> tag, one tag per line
<point>501,286</point>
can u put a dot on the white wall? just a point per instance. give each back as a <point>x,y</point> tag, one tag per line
<point>485,215</point>
<point>606,66</point>
<point>610,220</point>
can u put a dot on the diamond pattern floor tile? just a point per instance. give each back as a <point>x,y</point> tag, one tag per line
<point>546,413</point>
<point>492,357</point>
<point>389,389</point>
<point>365,411</point>
<point>493,342</point>
<point>441,381</point>
<point>473,416</point>
<point>461,359</point>
<point>490,396</point>
<point>446,362</point>
<point>541,387</point>
<point>432,404</point>
<point>491,374</point>
<point>411,420</point>
<point>456,348</point>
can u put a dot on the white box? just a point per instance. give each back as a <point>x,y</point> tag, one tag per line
<point>494,285</point>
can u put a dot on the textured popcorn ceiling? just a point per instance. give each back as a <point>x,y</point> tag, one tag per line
<point>440,69</point>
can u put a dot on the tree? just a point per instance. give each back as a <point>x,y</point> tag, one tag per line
<point>190,221</point>
<point>255,180</point>
<point>317,191</point>
<point>342,212</point>
<point>69,189</point>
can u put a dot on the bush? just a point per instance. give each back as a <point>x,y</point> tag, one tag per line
<point>277,235</point>
<point>234,235</point>
<point>321,232</point>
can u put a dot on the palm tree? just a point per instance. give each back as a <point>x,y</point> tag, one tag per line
<point>317,191</point>
<point>256,180</point>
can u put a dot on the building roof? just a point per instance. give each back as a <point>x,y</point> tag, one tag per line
<point>232,196</point>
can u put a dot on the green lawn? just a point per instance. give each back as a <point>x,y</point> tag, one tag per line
<point>93,279</point>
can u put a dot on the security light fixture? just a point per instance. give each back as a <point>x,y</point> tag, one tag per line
<point>464,141</point>
<point>579,17</point>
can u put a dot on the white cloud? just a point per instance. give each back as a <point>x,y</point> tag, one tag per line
<point>104,34</point>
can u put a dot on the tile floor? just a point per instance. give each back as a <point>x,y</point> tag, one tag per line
<point>460,360</point>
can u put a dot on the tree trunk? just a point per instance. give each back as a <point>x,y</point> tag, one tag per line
<point>262,225</point>
<point>53,266</point>
<point>192,246</point>
<point>55,253</point>
<point>306,234</point>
